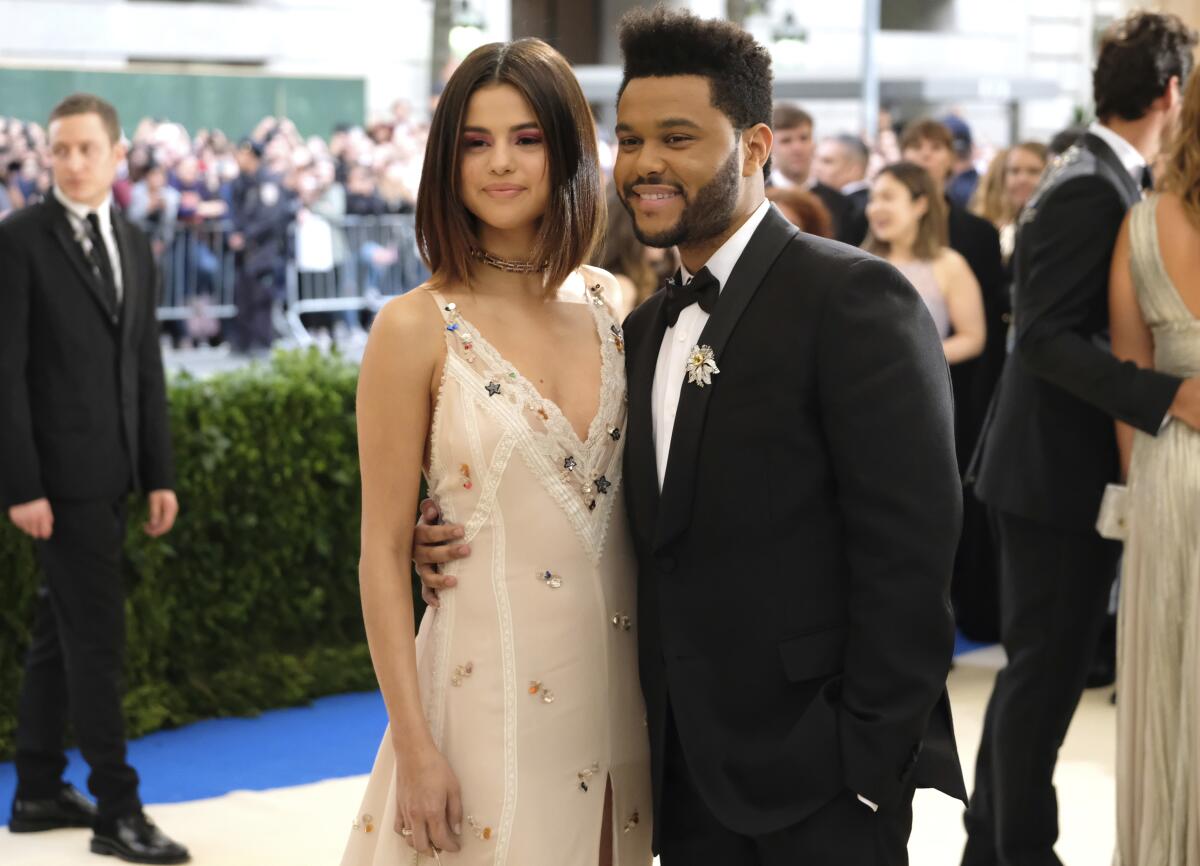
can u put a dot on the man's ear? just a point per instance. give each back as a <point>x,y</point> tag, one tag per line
<point>756,147</point>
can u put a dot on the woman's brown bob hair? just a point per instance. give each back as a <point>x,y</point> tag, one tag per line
<point>574,218</point>
<point>934,229</point>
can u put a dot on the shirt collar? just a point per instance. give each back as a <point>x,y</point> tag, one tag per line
<point>720,264</point>
<point>81,211</point>
<point>1129,155</point>
<point>854,186</point>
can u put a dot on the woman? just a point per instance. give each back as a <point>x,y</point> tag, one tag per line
<point>1011,180</point>
<point>803,210</point>
<point>1155,322</point>
<point>907,221</point>
<point>502,379</point>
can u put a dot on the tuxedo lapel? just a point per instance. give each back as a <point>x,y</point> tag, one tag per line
<point>1130,188</point>
<point>675,506</point>
<point>131,283</point>
<point>641,476</point>
<point>60,227</point>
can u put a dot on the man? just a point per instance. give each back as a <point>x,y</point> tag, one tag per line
<point>83,421</point>
<point>930,145</point>
<point>1050,448</point>
<point>795,687</point>
<point>841,163</point>
<point>793,156</point>
<point>965,179</point>
<point>262,211</point>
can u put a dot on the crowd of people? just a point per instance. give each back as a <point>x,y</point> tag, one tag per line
<point>217,209</point>
<point>191,193</point>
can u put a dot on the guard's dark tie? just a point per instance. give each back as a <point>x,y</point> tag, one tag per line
<point>702,289</point>
<point>1147,180</point>
<point>102,264</point>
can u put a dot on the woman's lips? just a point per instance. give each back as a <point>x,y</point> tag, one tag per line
<point>503,190</point>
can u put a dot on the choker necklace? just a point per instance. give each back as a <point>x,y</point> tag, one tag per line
<point>512,267</point>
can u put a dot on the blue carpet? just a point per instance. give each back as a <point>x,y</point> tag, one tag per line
<point>965,645</point>
<point>333,737</point>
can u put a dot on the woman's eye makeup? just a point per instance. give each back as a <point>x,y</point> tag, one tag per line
<point>529,138</point>
<point>475,139</point>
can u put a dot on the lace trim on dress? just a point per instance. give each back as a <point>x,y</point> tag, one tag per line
<point>508,656</point>
<point>583,476</point>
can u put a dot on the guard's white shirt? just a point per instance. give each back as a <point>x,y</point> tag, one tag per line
<point>77,214</point>
<point>678,341</point>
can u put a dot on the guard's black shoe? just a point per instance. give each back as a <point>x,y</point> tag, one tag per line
<point>69,809</point>
<point>135,839</point>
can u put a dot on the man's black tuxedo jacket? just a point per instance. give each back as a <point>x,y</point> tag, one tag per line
<point>83,411</point>
<point>1050,447</point>
<point>794,572</point>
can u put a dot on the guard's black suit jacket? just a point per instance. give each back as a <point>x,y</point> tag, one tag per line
<point>1050,448</point>
<point>794,572</point>
<point>83,411</point>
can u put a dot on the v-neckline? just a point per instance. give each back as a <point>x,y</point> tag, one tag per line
<point>595,426</point>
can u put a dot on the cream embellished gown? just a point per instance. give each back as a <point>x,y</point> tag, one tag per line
<point>1158,709</point>
<point>528,670</point>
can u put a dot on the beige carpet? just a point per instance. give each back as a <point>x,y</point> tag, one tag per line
<point>306,826</point>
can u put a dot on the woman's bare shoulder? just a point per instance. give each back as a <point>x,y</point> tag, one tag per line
<point>410,324</point>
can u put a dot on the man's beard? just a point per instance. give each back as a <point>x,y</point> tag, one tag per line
<point>706,217</point>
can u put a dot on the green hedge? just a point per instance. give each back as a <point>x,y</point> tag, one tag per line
<point>252,601</point>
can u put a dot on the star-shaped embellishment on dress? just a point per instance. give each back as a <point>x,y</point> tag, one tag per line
<point>569,464</point>
<point>615,433</point>
<point>602,484</point>
<point>493,388</point>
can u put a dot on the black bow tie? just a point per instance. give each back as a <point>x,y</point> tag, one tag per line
<point>702,289</point>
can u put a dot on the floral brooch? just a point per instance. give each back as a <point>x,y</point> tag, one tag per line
<point>701,366</point>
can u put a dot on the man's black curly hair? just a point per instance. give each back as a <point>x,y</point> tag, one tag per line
<point>662,42</point>
<point>1139,55</point>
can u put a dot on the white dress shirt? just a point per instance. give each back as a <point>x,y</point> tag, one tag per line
<point>1129,155</point>
<point>77,214</point>
<point>678,341</point>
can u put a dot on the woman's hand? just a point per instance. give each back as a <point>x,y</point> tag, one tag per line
<point>428,800</point>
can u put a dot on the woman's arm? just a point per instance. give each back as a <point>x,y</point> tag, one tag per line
<point>964,299</point>
<point>394,394</point>
<point>1131,338</point>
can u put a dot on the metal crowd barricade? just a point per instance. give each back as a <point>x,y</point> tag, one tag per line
<point>198,274</point>
<point>343,267</point>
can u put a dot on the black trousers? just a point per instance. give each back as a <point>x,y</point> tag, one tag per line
<point>844,832</point>
<point>73,671</point>
<point>255,297</point>
<point>1055,588</point>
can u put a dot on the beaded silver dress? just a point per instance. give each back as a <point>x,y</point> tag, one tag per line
<point>528,670</point>
<point>1158,711</point>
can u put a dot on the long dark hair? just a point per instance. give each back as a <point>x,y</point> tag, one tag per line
<point>934,229</point>
<point>574,217</point>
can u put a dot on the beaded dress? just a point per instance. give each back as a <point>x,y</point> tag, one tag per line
<point>528,669</point>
